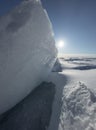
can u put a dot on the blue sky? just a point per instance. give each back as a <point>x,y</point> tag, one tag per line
<point>74,21</point>
<point>6,5</point>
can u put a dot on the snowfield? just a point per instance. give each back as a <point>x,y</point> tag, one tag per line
<point>78,96</point>
<point>80,69</point>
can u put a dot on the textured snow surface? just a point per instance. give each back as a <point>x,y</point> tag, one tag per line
<point>79,108</point>
<point>79,95</point>
<point>27,51</point>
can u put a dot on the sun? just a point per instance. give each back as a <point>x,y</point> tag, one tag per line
<point>60,44</point>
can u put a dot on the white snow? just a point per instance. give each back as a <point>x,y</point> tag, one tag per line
<point>78,94</point>
<point>78,109</point>
<point>27,51</point>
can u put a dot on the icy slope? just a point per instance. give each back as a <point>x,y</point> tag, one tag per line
<point>79,108</point>
<point>27,51</point>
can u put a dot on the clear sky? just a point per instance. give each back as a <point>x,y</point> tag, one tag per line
<point>74,21</point>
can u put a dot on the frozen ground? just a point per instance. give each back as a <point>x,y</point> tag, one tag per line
<point>78,94</point>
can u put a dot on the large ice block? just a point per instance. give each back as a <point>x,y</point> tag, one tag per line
<point>27,51</point>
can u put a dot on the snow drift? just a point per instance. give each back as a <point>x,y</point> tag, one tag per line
<point>27,51</point>
<point>78,109</point>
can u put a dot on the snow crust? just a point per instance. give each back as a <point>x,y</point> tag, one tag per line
<point>27,51</point>
<point>78,110</point>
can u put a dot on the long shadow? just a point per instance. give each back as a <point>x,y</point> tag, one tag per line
<point>60,80</point>
<point>33,113</point>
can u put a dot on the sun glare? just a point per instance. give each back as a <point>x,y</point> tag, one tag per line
<point>60,44</point>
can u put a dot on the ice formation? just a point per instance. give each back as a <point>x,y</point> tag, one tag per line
<point>27,51</point>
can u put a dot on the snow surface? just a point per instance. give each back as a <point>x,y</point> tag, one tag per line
<point>27,51</point>
<point>78,109</point>
<point>78,92</point>
<point>79,95</point>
